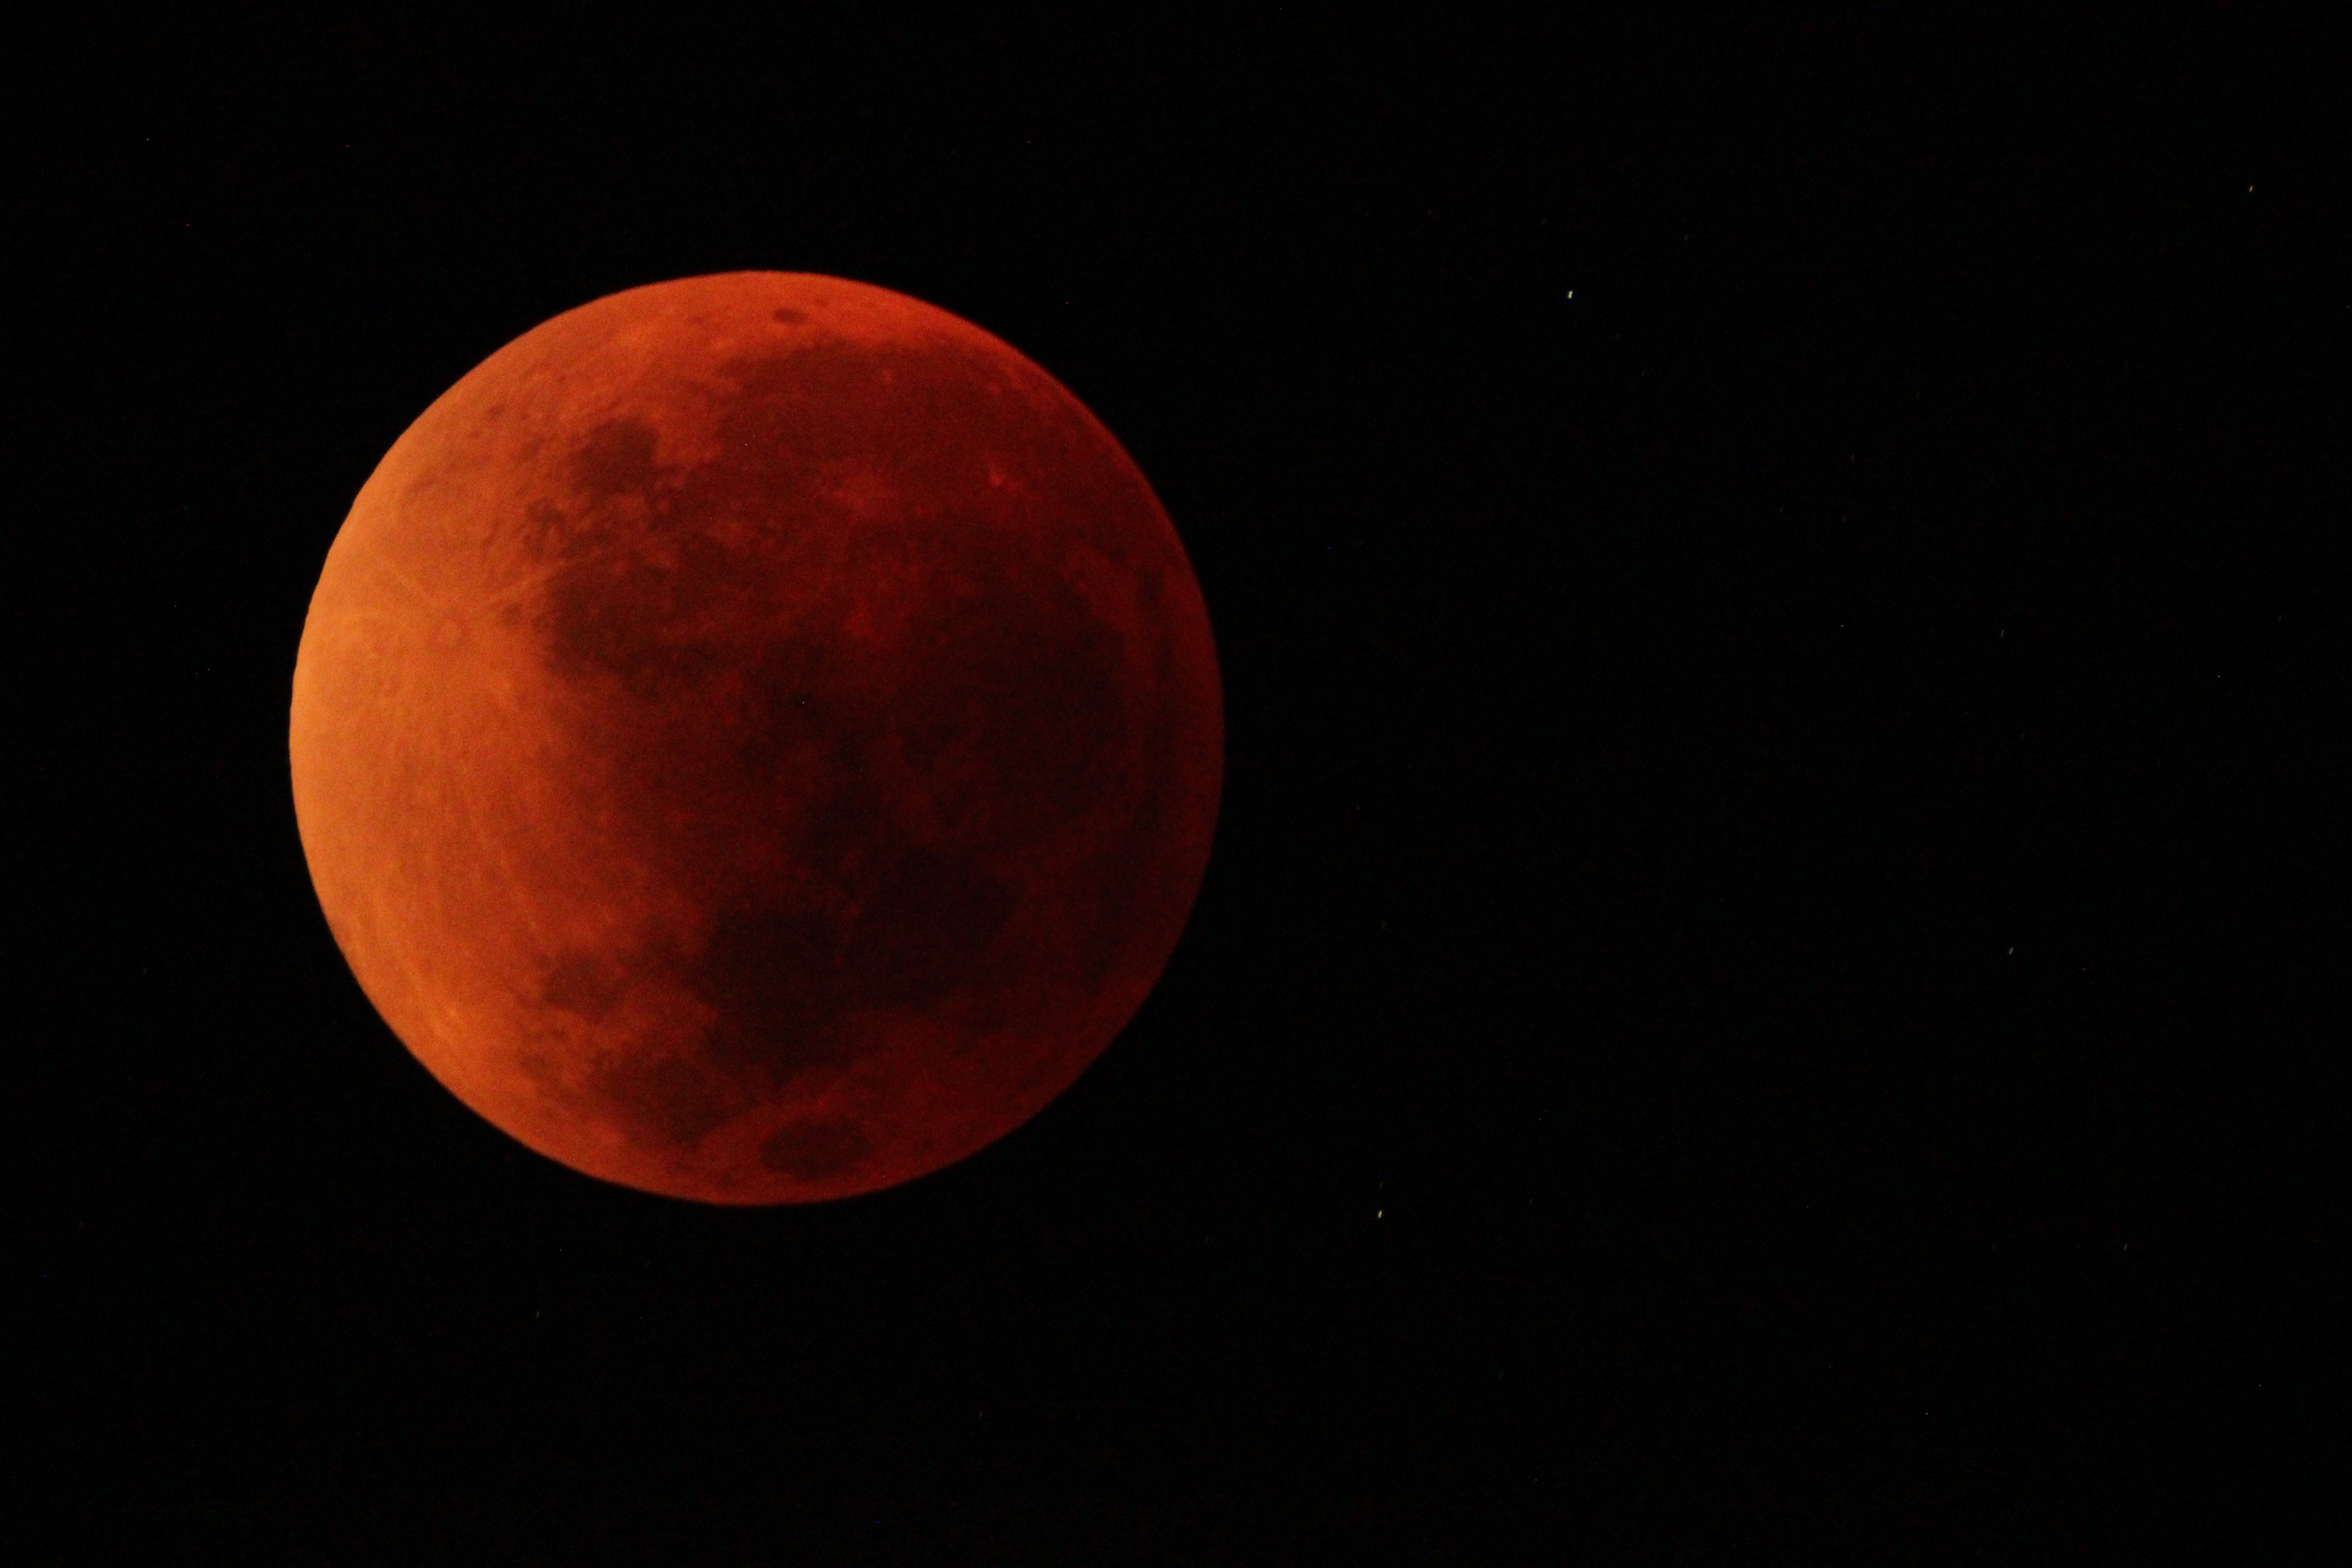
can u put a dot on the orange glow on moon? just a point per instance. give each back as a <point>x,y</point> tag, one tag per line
<point>756,738</point>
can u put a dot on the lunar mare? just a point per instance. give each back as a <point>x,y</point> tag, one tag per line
<point>756,738</point>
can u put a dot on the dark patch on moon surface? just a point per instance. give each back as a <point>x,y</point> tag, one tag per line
<point>615,459</point>
<point>663,1099</point>
<point>812,1150</point>
<point>927,930</point>
<point>580,983</point>
<point>778,978</point>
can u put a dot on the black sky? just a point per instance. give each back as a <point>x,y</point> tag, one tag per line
<point>1760,990</point>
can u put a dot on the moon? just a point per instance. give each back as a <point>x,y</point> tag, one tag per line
<point>756,738</point>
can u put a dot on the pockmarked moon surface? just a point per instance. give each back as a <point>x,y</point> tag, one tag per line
<point>757,737</point>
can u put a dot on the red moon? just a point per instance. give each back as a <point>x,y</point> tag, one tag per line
<point>757,737</point>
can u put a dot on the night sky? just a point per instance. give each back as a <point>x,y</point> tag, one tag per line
<point>1759,989</point>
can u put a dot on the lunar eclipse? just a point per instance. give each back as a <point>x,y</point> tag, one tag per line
<point>756,738</point>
